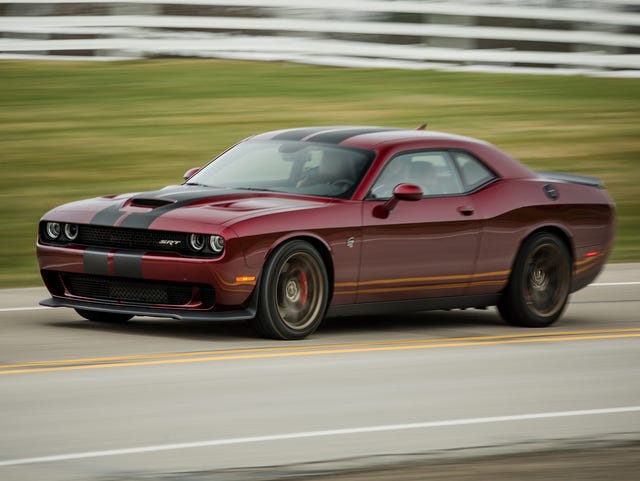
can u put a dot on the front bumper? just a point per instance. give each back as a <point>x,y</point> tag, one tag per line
<point>182,315</point>
<point>148,284</point>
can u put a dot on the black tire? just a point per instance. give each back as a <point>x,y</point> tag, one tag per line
<point>294,292</point>
<point>107,317</point>
<point>538,288</point>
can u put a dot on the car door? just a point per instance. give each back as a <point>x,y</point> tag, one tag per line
<point>424,248</point>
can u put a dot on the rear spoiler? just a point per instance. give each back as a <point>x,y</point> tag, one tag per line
<point>574,179</point>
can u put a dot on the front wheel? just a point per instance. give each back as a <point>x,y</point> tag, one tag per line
<point>107,317</point>
<point>294,292</point>
<point>538,288</point>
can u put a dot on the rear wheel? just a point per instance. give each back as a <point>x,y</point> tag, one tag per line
<point>539,286</point>
<point>294,291</point>
<point>108,317</point>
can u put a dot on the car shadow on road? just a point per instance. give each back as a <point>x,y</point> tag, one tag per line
<point>146,326</point>
<point>425,322</point>
<point>398,325</point>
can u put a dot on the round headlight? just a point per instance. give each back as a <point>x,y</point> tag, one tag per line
<point>71,231</point>
<point>52,230</point>
<point>216,243</point>
<point>197,242</point>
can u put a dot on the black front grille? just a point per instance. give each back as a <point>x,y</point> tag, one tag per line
<point>147,240</point>
<point>131,290</point>
<point>142,239</point>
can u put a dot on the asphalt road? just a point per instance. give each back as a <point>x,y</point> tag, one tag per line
<point>161,399</point>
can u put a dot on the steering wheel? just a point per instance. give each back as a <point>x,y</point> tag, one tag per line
<point>345,183</point>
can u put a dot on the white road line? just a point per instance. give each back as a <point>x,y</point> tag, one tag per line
<point>315,434</point>
<point>17,309</point>
<point>597,284</point>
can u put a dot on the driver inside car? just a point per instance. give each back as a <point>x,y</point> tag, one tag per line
<point>331,170</point>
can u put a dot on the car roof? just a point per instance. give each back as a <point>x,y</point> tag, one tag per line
<point>381,138</point>
<point>361,136</point>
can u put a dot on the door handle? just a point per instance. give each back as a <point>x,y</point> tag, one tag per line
<point>466,210</point>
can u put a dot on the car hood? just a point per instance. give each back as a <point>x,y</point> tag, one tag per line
<point>190,208</point>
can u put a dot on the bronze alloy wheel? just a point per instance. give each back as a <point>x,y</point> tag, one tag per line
<point>294,292</point>
<point>547,282</point>
<point>299,290</point>
<point>539,284</point>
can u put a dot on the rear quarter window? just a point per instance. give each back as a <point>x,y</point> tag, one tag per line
<point>473,172</point>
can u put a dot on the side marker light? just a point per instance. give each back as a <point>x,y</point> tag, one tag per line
<point>245,279</point>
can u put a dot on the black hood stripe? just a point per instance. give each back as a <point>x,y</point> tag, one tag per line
<point>108,216</point>
<point>180,196</point>
<point>142,220</point>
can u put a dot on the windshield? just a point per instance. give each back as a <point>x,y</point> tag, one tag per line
<point>288,166</point>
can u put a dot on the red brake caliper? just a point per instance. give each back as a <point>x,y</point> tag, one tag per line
<point>304,288</point>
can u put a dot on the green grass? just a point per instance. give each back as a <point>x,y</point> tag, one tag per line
<point>75,130</point>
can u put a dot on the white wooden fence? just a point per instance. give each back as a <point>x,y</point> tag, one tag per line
<point>597,37</point>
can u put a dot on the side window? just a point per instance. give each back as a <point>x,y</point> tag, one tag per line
<point>435,173</point>
<point>432,170</point>
<point>474,173</point>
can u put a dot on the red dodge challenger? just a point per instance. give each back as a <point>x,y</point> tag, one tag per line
<point>290,226</point>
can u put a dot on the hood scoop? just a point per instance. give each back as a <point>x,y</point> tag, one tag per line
<point>149,203</point>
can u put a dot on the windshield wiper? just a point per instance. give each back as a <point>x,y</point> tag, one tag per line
<point>256,189</point>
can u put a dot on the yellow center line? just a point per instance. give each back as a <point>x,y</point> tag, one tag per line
<point>302,347</point>
<point>276,352</point>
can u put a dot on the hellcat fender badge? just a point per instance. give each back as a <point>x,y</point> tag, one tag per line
<point>350,242</point>
<point>551,191</point>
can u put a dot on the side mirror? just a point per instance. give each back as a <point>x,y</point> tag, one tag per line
<point>190,173</point>
<point>409,192</point>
